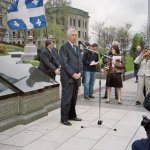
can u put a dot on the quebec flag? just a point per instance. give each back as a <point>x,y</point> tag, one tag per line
<point>26,14</point>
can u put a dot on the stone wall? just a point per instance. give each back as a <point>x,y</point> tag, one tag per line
<point>27,108</point>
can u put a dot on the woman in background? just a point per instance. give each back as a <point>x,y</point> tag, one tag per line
<point>115,70</point>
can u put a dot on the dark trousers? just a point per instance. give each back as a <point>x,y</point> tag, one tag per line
<point>116,94</point>
<point>141,144</point>
<point>68,101</point>
<point>135,73</point>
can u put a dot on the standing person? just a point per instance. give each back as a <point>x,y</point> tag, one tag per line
<point>143,74</point>
<point>114,76</point>
<point>136,66</point>
<point>105,61</point>
<point>88,47</point>
<point>71,68</point>
<point>48,63</point>
<point>55,52</point>
<point>90,60</point>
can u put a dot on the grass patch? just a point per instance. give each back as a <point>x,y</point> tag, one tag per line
<point>11,48</point>
<point>35,63</point>
<point>129,63</point>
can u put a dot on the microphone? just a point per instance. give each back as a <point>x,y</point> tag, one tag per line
<point>83,44</point>
<point>87,47</point>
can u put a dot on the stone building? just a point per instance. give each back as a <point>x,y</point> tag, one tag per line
<point>79,20</point>
<point>3,19</point>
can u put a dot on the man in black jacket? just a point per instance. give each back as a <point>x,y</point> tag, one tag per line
<point>48,63</point>
<point>70,75</point>
<point>90,60</point>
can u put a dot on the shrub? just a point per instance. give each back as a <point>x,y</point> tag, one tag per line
<point>11,48</point>
<point>3,50</point>
<point>33,62</point>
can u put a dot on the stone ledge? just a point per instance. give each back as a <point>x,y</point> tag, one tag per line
<point>27,108</point>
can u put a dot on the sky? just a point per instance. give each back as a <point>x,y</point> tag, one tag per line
<point>115,12</point>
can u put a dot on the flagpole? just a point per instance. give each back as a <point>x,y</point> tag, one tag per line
<point>46,32</point>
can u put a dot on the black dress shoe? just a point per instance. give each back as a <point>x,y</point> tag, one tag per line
<point>138,103</point>
<point>86,97</point>
<point>76,119</point>
<point>67,123</point>
<point>104,97</point>
<point>92,96</point>
<point>116,97</point>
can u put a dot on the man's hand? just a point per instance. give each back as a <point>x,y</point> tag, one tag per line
<point>93,63</point>
<point>76,76</point>
<point>57,71</point>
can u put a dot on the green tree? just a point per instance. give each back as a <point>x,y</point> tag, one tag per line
<point>55,10</point>
<point>136,41</point>
<point>56,31</point>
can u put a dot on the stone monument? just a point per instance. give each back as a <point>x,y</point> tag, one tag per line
<point>30,50</point>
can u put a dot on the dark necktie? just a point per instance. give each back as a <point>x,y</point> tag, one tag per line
<point>74,47</point>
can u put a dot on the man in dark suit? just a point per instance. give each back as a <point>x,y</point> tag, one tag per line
<point>70,73</point>
<point>55,53</point>
<point>48,63</point>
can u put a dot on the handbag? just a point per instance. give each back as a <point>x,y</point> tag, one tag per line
<point>146,102</point>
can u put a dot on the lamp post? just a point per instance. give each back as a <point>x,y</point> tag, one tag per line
<point>121,44</point>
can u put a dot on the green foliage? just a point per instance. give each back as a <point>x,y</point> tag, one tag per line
<point>33,62</point>
<point>129,63</point>
<point>3,50</point>
<point>11,48</point>
<point>136,41</point>
<point>56,30</point>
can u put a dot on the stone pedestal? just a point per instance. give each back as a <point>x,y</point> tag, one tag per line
<point>30,50</point>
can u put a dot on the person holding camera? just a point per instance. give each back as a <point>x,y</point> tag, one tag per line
<point>143,74</point>
<point>143,144</point>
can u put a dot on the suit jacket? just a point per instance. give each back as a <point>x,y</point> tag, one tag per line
<point>55,54</point>
<point>48,63</point>
<point>144,65</point>
<point>71,62</point>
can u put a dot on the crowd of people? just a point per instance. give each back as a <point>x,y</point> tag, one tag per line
<point>74,64</point>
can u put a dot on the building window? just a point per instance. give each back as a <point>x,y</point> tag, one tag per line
<point>85,25</point>
<point>1,22</point>
<point>79,34</point>
<point>14,34</point>
<point>74,22</point>
<point>70,21</point>
<point>79,23</point>
<point>28,33</point>
<point>85,35</point>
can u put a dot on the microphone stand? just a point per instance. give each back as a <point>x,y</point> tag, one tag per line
<point>99,122</point>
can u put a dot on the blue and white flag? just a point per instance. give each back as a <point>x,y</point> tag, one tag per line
<point>26,14</point>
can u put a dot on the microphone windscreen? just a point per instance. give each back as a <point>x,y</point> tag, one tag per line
<point>80,42</point>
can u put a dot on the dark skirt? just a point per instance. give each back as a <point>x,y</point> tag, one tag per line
<point>114,80</point>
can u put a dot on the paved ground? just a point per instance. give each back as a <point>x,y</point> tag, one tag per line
<point>48,134</point>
